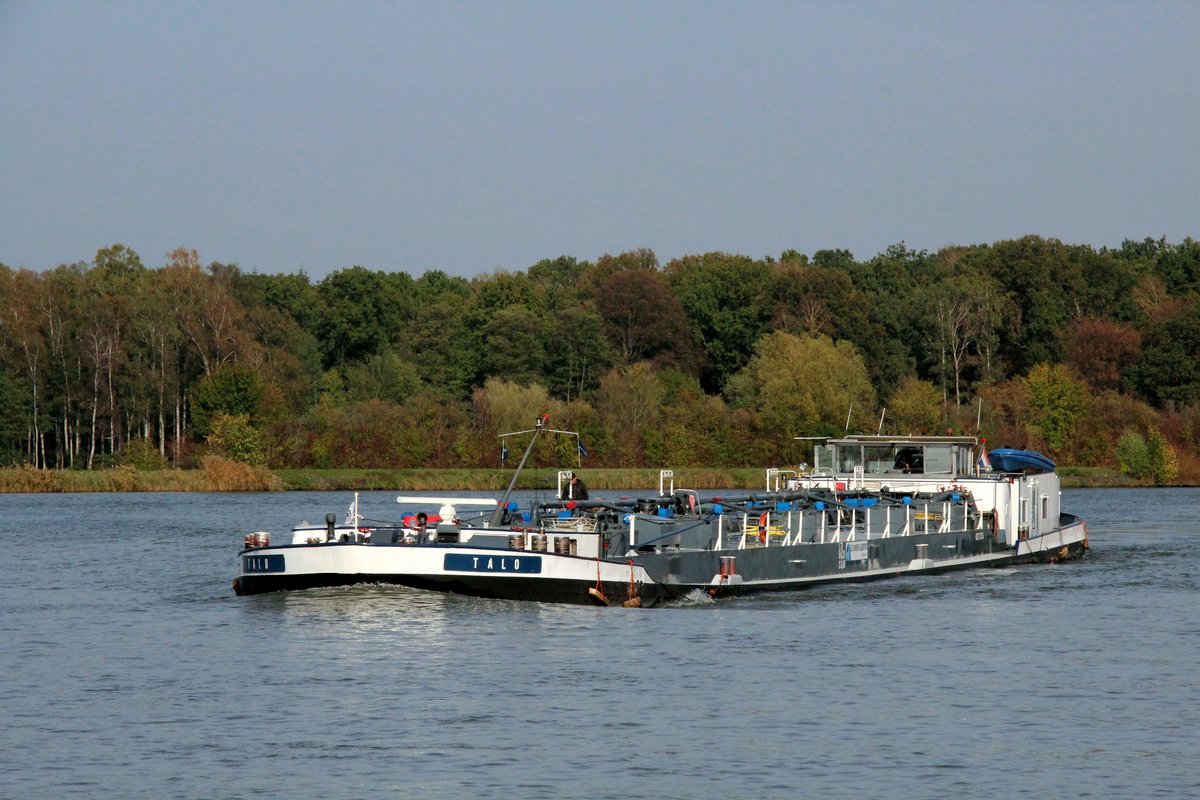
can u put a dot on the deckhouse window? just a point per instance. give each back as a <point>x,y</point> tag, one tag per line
<point>938,460</point>
<point>880,459</point>
<point>849,458</point>
<point>823,457</point>
<point>909,460</point>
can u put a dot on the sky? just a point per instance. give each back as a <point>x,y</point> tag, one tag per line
<point>481,136</point>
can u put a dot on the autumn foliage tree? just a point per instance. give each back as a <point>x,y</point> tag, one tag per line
<point>715,358</point>
<point>645,319</point>
<point>1101,349</point>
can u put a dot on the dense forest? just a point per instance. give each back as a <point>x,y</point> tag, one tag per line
<point>715,359</point>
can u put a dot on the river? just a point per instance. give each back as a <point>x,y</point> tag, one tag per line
<point>130,670</point>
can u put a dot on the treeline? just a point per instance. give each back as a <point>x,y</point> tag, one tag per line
<point>715,359</point>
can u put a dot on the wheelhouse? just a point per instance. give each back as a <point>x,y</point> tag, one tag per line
<point>942,457</point>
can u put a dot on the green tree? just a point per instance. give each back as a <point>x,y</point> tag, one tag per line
<point>59,306</point>
<point>1058,403</point>
<point>607,265</point>
<point>629,402</point>
<point>1164,465</point>
<point>726,297</point>
<point>1168,374</point>
<point>292,294</point>
<point>965,310</point>
<point>157,345</point>
<point>434,422</point>
<point>1133,456</point>
<point>441,338</point>
<point>287,357</point>
<point>361,312</point>
<point>233,436</point>
<point>897,324</point>
<point>556,273</point>
<point>915,407</point>
<point>23,339</point>
<point>1049,285</point>
<point>445,350</point>
<point>834,259</point>
<point>205,309</point>
<point>383,376</point>
<point>504,405</point>
<point>119,268</point>
<point>514,345</point>
<point>577,352</point>
<point>500,290</point>
<point>694,429</point>
<point>1178,266</point>
<point>232,390</point>
<point>815,301</point>
<point>141,454</point>
<point>804,386</point>
<point>12,432</point>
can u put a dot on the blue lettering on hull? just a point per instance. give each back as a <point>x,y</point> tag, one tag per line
<point>263,564</point>
<point>463,562</point>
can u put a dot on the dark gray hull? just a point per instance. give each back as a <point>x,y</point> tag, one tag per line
<point>797,567</point>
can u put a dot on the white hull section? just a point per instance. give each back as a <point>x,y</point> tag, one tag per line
<point>488,572</point>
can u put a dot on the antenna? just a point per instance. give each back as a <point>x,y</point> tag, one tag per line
<point>881,415</point>
<point>848,412</point>
<point>540,426</point>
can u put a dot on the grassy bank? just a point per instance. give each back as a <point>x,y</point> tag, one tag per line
<point>497,479</point>
<point>228,477</point>
<point>220,475</point>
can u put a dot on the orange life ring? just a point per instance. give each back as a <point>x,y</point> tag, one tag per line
<point>762,527</point>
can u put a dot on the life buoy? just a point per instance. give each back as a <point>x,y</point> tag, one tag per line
<point>762,527</point>
<point>691,502</point>
<point>995,528</point>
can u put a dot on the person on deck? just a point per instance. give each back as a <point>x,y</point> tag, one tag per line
<point>575,489</point>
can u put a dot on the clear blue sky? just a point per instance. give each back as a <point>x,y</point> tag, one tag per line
<point>474,136</point>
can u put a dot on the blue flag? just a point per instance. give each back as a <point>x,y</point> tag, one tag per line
<point>582,453</point>
<point>503,454</point>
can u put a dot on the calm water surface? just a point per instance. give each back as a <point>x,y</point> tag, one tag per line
<point>128,669</point>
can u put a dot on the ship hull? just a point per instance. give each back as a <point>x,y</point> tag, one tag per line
<point>477,572</point>
<point>646,577</point>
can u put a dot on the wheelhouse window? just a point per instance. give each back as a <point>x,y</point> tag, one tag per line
<point>849,458</point>
<point>909,460</point>
<point>879,459</point>
<point>914,456</point>
<point>938,460</point>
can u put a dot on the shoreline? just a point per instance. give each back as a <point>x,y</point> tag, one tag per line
<point>26,479</point>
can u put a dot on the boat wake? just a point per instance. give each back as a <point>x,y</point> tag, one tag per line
<point>696,597</point>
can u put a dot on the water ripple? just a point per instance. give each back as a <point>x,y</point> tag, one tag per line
<point>131,671</point>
